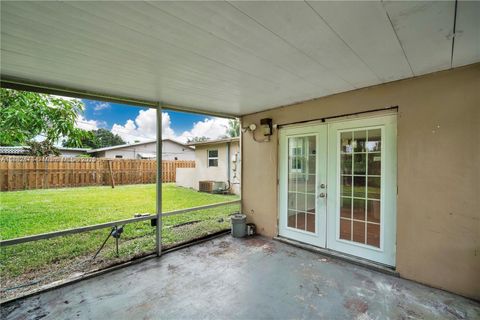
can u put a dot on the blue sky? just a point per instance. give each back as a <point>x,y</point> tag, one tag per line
<point>138,123</point>
<point>111,113</point>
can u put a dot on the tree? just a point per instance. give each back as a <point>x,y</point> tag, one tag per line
<point>42,149</point>
<point>26,115</point>
<point>99,138</point>
<point>233,129</point>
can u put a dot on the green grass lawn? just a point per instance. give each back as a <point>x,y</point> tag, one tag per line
<point>38,211</point>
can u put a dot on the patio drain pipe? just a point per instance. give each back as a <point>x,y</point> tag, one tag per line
<point>158,226</point>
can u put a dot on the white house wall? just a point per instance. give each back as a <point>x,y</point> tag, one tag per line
<point>170,151</point>
<point>71,153</point>
<point>189,178</point>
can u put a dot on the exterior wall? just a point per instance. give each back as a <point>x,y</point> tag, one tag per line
<point>170,151</point>
<point>132,152</point>
<point>438,209</point>
<point>186,177</point>
<point>203,172</point>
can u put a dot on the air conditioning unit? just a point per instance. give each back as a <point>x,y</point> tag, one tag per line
<point>211,186</point>
<point>219,186</point>
<point>205,186</point>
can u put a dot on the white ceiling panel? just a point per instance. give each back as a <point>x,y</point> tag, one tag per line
<point>228,23</point>
<point>424,29</point>
<point>365,27</point>
<point>312,36</point>
<point>229,57</point>
<point>467,38</point>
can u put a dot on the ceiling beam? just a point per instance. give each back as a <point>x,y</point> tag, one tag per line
<point>26,85</point>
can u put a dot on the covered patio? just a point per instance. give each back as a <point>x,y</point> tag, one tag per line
<point>359,129</point>
<point>254,278</point>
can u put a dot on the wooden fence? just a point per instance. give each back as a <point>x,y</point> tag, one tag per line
<point>20,173</point>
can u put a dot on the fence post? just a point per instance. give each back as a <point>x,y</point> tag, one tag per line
<point>9,175</point>
<point>111,173</point>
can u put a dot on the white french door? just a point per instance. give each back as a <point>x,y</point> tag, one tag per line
<point>303,165</point>
<point>337,186</point>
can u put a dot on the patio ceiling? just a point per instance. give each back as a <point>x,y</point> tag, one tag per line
<point>232,57</point>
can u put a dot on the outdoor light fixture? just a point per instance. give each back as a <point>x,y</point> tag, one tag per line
<point>252,127</point>
<point>266,125</point>
<point>267,129</point>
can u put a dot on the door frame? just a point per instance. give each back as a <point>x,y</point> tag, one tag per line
<point>329,213</point>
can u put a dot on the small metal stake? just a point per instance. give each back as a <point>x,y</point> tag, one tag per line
<point>103,244</point>
<point>115,232</point>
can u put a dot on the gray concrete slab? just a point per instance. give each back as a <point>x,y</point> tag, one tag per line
<point>252,278</point>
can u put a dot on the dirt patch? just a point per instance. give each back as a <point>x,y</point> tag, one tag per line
<point>8,309</point>
<point>255,242</point>
<point>410,313</point>
<point>366,281</point>
<point>217,253</point>
<point>269,248</point>
<point>172,267</point>
<point>356,305</point>
<point>224,244</point>
<point>185,224</point>
<point>291,254</point>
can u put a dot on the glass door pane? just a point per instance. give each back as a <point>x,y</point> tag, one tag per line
<point>360,185</point>
<point>302,183</point>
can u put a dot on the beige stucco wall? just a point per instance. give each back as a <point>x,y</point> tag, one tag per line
<point>438,208</point>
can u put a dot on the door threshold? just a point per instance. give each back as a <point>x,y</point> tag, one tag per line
<point>341,256</point>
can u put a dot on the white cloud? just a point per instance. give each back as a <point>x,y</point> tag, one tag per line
<point>85,124</point>
<point>65,98</point>
<point>212,128</point>
<point>82,122</point>
<point>99,106</point>
<point>144,128</point>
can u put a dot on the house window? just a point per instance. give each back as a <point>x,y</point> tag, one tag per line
<point>118,157</point>
<point>212,158</point>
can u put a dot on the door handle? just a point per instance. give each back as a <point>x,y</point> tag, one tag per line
<point>322,195</point>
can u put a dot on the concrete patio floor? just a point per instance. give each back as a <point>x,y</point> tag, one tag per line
<point>253,278</point>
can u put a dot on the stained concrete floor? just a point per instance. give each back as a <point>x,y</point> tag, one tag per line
<point>254,278</point>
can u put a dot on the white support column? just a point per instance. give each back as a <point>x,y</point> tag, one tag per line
<point>240,165</point>
<point>158,231</point>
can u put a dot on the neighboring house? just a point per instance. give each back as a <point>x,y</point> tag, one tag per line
<point>216,160</point>
<point>171,150</point>
<point>22,151</point>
